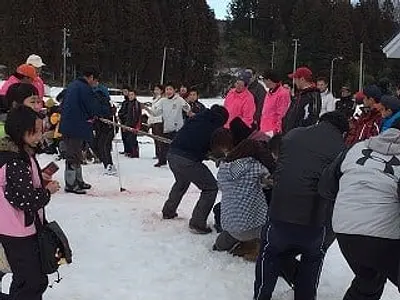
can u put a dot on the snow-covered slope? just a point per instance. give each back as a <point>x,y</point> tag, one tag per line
<point>123,250</point>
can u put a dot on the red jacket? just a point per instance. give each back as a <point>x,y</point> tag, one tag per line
<point>366,126</point>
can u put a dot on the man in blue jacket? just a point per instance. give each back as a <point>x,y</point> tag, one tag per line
<point>78,110</point>
<point>187,152</point>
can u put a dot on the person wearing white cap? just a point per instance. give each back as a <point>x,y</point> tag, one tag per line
<point>37,62</point>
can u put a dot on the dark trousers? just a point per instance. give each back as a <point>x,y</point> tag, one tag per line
<point>132,144</point>
<point>103,146</point>
<point>164,148</point>
<point>282,241</point>
<point>186,172</point>
<point>28,282</point>
<point>73,168</point>
<point>157,129</point>
<point>373,261</point>
<point>124,141</point>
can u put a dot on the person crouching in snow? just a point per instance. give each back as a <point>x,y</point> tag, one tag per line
<point>243,203</point>
<point>22,201</point>
<point>132,119</point>
<point>186,155</point>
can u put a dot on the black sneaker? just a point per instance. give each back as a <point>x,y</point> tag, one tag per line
<point>75,190</point>
<point>169,216</point>
<point>199,230</point>
<point>84,186</point>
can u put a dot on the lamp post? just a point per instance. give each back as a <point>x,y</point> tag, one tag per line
<point>65,53</point>
<point>163,64</point>
<point>332,67</point>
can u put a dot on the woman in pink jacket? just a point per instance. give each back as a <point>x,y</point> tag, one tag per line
<point>37,62</point>
<point>240,101</point>
<point>276,105</point>
<point>24,74</point>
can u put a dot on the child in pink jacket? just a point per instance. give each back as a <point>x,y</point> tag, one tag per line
<point>240,101</point>
<point>276,105</point>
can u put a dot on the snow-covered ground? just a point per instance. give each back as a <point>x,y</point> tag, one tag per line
<point>124,250</point>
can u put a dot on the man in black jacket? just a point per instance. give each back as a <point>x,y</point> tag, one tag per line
<point>187,152</point>
<point>259,92</point>
<point>306,107</point>
<point>298,215</point>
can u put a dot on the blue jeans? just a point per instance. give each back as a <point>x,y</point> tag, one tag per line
<point>283,241</point>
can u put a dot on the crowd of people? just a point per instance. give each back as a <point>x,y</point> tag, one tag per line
<point>294,173</point>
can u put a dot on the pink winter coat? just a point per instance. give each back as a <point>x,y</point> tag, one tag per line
<point>240,105</point>
<point>275,108</point>
<point>38,83</point>
<point>6,85</point>
<point>13,220</point>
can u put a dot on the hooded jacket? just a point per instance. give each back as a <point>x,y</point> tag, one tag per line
<point>243,203</point>
<point>171,112</point>
<point>302,159</point>
<point>78,108</point>
<point>152,119</point>
<point>276,105</point>
<point>389,121</point>
<point>240,105</point>
<point>193,140</point>
<point>366,126</point>
<point>22,195</point>
<point>366,180</point>
<point>304,110</point>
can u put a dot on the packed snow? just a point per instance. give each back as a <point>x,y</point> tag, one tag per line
<point>124,250</point>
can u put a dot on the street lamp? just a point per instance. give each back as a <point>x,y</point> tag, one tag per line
<point>332,66</point>
<point>163,64</point>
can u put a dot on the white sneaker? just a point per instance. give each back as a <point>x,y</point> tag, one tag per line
<point>110,170</point>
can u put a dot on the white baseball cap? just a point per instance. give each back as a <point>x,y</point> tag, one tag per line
<point>35,60</point>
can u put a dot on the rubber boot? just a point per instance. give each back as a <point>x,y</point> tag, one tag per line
<point>79,178</point>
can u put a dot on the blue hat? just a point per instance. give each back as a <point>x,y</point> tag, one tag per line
<point>103,89</point>
<point>245,76</point>
<point>373,91</point>
<point>391,102</point>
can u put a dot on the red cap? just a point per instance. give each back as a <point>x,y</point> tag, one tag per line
<point>27,71</point>
<point>302,72</point>
<point>359,97</point>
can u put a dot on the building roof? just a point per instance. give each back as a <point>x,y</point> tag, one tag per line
<point>392,47</point>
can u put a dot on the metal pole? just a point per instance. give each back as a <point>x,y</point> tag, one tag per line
<point>296,45</point>
<point>331,81</point>
<point>273,56</point>
<point>163,65</point>
<point>65,57</point>
<point>361,78</point>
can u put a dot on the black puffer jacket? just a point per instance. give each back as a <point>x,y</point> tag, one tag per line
<point>305,152</point>
<point>304,110</point>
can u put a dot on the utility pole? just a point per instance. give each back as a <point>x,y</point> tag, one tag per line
<point>163,65</point>
<point>273,56</point>
<point>361,78</point>
<point>296,49</point>
<point>65,53</point>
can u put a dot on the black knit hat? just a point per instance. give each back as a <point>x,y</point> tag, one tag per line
<point>240,131</point>
<point>374,92</point>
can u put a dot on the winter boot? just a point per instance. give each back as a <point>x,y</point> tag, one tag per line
<point>79,179</point>
<point>199,229</point>
<point>248,250</point>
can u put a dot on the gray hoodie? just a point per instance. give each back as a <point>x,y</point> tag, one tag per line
<point>368,199</point>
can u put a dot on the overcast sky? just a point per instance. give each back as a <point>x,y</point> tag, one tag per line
<point>220,7</point>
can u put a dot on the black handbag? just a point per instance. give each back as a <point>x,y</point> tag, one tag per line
<point>54,247</point>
